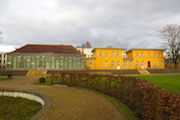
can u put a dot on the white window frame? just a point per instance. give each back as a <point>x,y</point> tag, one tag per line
<point>106,63</point>
<point>137,54</point>
<point>160,63</point>
<point>155,64</point>
<point>113,54</point>
<point>118,63</point>
<point>160,55</point>
<point>106,54</point>
<point>112,63</point>
<point>100,54</point>
<point>130,63</point>
<point>142,54</point>
<point>118,54</point>
<point>137,63</point>
<point>125,63</point>
<point>155,54</point>
<point>149,54</point>
<point>142,63</point>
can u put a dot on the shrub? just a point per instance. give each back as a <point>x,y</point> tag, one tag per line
<point>42,80</point>
<point>147,101</point>
<point>9,76</point>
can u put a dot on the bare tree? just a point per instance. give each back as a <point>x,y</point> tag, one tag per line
<point>171,33</point>
<point>87,45</point>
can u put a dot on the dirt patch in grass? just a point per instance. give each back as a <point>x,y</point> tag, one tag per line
<point>17,108</point>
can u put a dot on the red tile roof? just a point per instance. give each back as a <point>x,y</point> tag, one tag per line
<point>56,49</point>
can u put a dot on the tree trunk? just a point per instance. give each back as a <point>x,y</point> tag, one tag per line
<point>176,65</point>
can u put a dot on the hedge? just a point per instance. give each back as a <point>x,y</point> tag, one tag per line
<point>147,101</point>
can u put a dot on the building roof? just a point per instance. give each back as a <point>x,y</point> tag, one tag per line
<point>144,49</point>
<point>107,49</point>
<point>55,49</point>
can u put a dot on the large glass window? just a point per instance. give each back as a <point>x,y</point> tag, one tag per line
<point>28,58</point>
<point>148,54</point>
<point>142,54</point>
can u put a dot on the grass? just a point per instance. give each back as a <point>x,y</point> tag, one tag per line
<point>123,109</point>
<point>4,77</point>
<point>168,82</point>
<point>48,81</point>
<point>17,108</point>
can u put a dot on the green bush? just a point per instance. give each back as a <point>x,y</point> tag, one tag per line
<point>9,76</point>
<point>42,80</point>
<point>147,101</point>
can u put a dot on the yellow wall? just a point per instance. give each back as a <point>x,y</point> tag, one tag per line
<point>99,62</point>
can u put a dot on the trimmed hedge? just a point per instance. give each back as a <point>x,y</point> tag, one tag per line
<point>147,101</point>
<point>42,80</point>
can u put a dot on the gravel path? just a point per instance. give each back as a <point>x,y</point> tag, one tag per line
<point>67,103</point>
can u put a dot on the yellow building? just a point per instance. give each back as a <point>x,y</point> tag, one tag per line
<point>105,59</point>
<point>113,59</point>
<point>146,58</point>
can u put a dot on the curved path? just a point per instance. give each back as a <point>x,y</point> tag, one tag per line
<point>67,103</point>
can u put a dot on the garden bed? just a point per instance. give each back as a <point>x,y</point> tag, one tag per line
<point>17,108</point>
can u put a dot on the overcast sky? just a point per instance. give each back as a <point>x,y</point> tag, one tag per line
<point>120,23</point>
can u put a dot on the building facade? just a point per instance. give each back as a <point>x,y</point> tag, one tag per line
<point>87,51</point>
<point>50,57</point>
<point>146,58</point>
<point>114,59</point>
<point>3,60</point>
<point>105,59</point>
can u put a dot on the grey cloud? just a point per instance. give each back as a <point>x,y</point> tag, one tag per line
<point>120,23</point>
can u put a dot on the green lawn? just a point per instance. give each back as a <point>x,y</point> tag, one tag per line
<point>3,77</point>
<point>169,82</point>
<point>17,108</point>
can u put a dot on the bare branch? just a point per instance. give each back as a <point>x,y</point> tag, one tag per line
<point>171,33</point>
